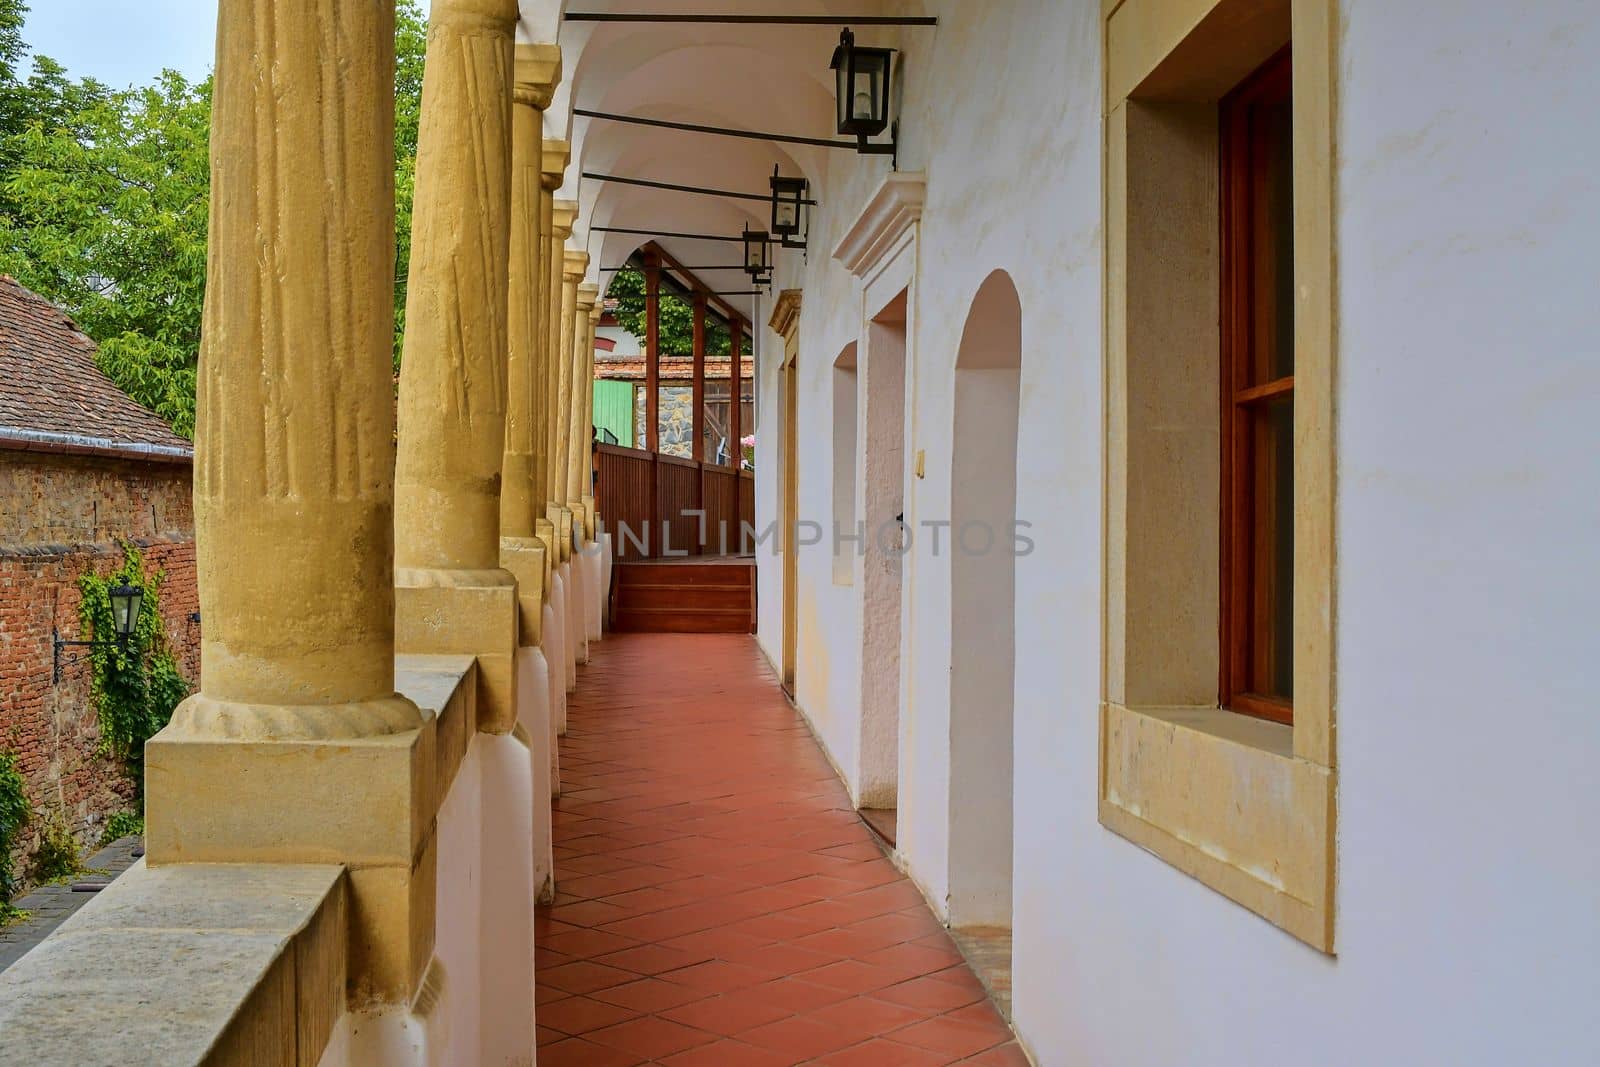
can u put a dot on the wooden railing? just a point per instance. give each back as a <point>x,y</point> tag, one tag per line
<point>652,504</point>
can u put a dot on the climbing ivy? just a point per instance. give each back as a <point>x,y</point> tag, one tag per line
<point>136,687</point>
<point>15,811</point>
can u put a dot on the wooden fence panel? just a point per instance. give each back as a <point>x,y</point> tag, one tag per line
<point>623,498</point>
<point>677,495</point>
<point>643,498</point>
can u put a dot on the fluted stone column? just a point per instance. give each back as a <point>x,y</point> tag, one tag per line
<point>538,70</point>
<point>556,156</point>
<point>565,213</point>
<point>577,265</point>
<point>581,433</point>
<point>453,597</point>
<point>297,748</point>
<point>589,507</point>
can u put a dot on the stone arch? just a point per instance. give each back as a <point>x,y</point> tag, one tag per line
<point>983,601</point>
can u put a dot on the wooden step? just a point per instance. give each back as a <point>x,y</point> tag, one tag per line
<point>685,597</point>
<point>681,621</point>
<point>629,574</point>
<point>663,597</point>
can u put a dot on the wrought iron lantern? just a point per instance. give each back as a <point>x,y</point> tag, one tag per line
<point>756,261</point>
<point>789,209</point>
<point>863,93</point>
<point>127,602</point>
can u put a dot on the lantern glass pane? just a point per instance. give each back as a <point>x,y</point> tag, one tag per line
<point>786,220</point>
<point>843,91</point>
<point>864,99</point>
<point>125,602</point>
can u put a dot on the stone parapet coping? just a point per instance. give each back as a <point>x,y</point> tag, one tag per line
<point>444,688</point>
<point>188,964</point>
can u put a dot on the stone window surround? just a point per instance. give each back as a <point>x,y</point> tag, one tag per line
<point>1245,806</point>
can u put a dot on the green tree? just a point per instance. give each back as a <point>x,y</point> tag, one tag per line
<point>677,319</point>
<point>108,219</point>
<point>105,200</point>
<point>45,97</point>
<point>411,49</point>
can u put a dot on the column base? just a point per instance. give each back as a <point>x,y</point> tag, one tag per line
<point>474,613</point>
<point>524,558</point>
<point>561,519</point>
<point>545,531</point>
<point>365,802</point>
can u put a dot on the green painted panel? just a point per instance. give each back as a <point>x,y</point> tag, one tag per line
<point>613,411</point>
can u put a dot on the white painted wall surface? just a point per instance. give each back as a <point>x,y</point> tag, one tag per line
<point>626,343</point>
<point>1468,923</point>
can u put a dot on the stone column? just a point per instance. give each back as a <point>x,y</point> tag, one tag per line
<point>565,213</point>
<point>453,597</point>
<point>553,173</point>
<point>573,312</point>
<point>537,71</point>
<point>578,483</point>
<point>589,419</point>
<point>297,748</point>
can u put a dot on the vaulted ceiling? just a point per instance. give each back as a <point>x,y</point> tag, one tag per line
<point>772,79</point>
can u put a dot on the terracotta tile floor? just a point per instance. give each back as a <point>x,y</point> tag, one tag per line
<point>719,902</point>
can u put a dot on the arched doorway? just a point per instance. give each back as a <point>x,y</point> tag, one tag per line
<point>983,601</point>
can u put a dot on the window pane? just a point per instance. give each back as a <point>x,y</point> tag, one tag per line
<point>1272,236</point>
<point>1272,550</point>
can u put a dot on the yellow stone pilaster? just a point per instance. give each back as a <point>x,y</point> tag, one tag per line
<point>522,553</point>
<point>448,578</point>
<point>297,748</point>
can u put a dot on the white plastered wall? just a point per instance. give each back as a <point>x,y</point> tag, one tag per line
<point>1467,571</point>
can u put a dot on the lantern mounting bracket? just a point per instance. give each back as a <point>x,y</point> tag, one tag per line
<point>890,148</point>
<point>126,603</point>
<point>59,643</point>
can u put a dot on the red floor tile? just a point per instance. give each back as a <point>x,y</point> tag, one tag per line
<point>579,1015</point>
<point>651,1037</point>
<point>719,900</point>
<point>729,1054</point>
<point>730,1014</point>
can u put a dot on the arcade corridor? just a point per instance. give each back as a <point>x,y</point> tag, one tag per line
<point>719,900</point>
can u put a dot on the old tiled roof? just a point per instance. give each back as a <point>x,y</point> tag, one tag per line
<point>54,398</point>
<point>672,368</point>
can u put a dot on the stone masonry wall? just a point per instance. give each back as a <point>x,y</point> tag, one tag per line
<point>60,517</point>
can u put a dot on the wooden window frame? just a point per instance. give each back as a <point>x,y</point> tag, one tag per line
<point>1242,396</point>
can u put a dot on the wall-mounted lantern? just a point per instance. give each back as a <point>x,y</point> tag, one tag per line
<point>127,601</point>
<point>789,209</point>
<point>864,85</point>
<point>756,261</point>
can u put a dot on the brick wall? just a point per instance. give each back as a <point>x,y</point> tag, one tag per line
<point>60,517</point>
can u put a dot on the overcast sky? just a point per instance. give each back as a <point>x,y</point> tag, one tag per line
<point>126,42</point>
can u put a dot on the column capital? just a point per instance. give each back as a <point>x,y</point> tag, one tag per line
<point>565,213</point>
<point>538,72</point>
<point>557,154</point>
<point>588,293</point>
<point>599,311</point>
<point>576,265</point>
